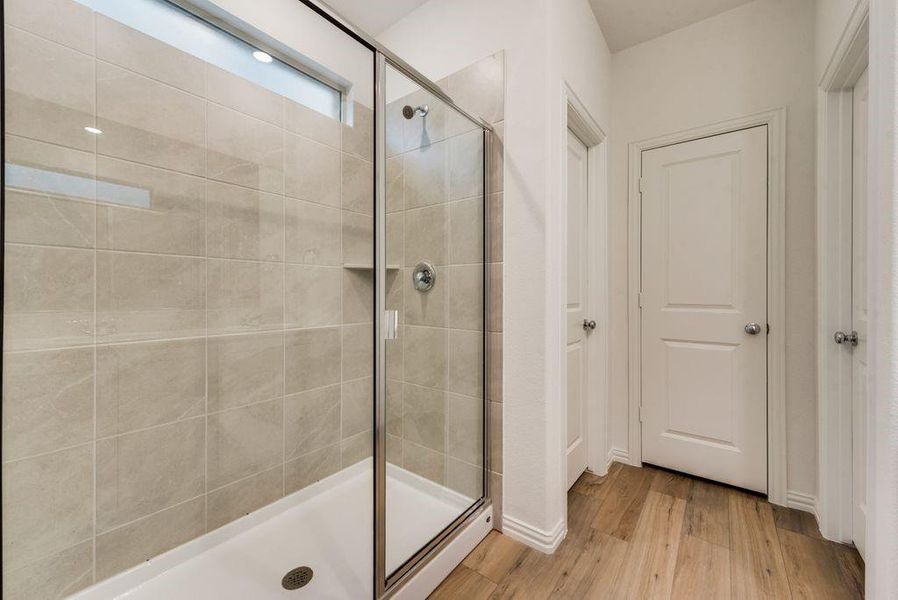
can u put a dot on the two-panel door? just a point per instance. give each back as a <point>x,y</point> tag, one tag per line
<point>704,307</point>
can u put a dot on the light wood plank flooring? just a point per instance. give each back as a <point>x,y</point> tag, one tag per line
<point>650,533</point>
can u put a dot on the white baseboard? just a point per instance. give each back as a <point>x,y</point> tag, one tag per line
<point>618,455</point>
<point>804,502</point>
<point>544,541</point>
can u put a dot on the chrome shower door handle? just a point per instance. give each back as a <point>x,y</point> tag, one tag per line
<point>752,328</point>
<point>391,324</point>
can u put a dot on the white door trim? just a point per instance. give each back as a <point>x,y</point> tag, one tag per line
<point>834,191</point>
<point>775,120</point>
<point>577,118</point>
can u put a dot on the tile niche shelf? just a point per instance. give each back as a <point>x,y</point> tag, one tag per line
<point>367,267</point>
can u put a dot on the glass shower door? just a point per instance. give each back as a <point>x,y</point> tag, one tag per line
<point>434,281</point>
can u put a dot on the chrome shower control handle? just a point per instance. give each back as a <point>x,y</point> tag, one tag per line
<point>840,337</point>
<point>752,328</point>
<point>589,325</point>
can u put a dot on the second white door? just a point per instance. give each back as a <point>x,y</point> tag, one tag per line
<point>704,307</point>
<point>576,309</point>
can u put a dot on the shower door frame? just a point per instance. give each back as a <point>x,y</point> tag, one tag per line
<point>386,584</point>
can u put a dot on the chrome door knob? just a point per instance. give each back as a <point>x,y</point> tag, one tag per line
<point>589,325</point>
<point>752,328</point>
<point>840,337</point>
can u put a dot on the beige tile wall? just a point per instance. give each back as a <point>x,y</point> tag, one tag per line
<point>183,354</point>
<point>435,213</point>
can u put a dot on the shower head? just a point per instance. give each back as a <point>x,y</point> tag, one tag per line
<point>408,112</point>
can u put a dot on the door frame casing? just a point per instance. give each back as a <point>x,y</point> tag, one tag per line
<point>835,495</point>
<point>576,118</point>
<point>775,120</point>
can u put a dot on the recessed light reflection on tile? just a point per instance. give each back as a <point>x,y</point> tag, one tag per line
<point>263,57</point>
<point>93,130</point>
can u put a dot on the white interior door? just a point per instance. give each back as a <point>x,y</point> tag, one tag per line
<point>859,312</point>
<point>704,282</point>
<point>576,308</point>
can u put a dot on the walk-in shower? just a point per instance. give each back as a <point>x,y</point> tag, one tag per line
<point>244,328</point>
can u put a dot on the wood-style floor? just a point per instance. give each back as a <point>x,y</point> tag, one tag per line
<point>649,533</point>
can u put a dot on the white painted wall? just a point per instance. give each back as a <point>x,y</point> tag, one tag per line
<point>756,57</point>
<point>545,42</point>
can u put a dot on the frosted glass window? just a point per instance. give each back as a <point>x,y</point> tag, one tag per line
<point>175,27</point>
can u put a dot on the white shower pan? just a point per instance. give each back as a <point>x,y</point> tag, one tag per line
<point>326,526</point>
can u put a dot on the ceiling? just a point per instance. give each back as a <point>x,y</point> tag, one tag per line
<point>374,17</point>
<point>626,23</point>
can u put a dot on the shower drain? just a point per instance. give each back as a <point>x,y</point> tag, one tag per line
<point>296,578</point>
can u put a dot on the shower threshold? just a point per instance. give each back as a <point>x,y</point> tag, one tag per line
<point>326,526</point>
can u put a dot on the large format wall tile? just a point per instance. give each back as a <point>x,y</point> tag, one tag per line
<point>146,471</point>
<point>358,295</point>
<point>37,214</point>
<point>466,231</point>
<point>244,223</point>
<point>141,296</point>
<point>424,416</point>
<point>66,22</point>
<point>47,504</point>
<point>136,51</point>
<point>312,124</point>
<point>149,383</point>
<point>137,542</point>
<point>466,362</point>
<point>464,478</point>
<point>146,209</point>
<point>235,92</point>
<point>358,351</point>
<point>466,297</point>
<point>244,441</point>
<point>358,137</point>
<point>358,185</point>
<point>358,239</point>
<point>357,407</point>
<point>48,401</point>
<point>355,449</point>
<point>426,176</point>
<point>313,171</point>
<point>425,462</point>
<point>309,468</point>
<point>466,166</point>
<point>72,570</point>
<point>49,91</point>
<point>49,299</point>
<point>312,420</point>
<point>149,122</point>
<point>426,351</point>
<point>427,235</point>
<point>313,296</point>
<point>314,233</point>
<point>244,150</point>
<point>242,497</point>
<point>313,358</point>
<point>465,428</point>
<point>244,369</point>
<point>244,296</point>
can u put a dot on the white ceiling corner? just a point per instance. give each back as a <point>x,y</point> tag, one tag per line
<point>626,23</point>
<point>374,16</point>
